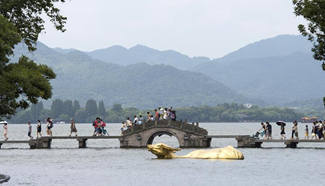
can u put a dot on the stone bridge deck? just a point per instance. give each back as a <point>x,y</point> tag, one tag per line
<point>250,142</point>
<point>139,136</point>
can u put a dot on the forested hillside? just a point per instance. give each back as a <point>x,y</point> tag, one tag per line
<point>138,85</point>
<point>276,70</point>
<point>65,110</point>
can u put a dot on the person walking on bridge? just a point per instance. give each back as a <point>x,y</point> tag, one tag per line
<point>29,133</point>
<point>294,132</point>
<point>49,126</point>
<point>5,131</point>
<point>73,128</point>
<point>269,130</point>
<point>283,133</point>
<point>39,129</point>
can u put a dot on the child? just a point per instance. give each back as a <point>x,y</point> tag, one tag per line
<point>306,132</point>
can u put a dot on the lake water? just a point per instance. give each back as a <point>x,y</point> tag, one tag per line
<point>104,163</point>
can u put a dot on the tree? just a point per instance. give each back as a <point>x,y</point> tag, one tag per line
<point>101,109</point>
<point>36,111</point>
<point>314,12</point>
<point>57,108</point>
<point>28,17</point>
<point>24,82</point>
<point>81,116</point>
<point>68,108</point>
<point>76,106</point>
<point>91,107</point>
<point>117,108</point>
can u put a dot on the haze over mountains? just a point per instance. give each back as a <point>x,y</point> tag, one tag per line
<point>273,71</point>
<point>139,85</point>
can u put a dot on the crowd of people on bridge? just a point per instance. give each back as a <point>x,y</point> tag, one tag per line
<point>158,114</point>
<point>49,125</point>
<point>317,130</point>
<point>265,132</point>
<point>98,124</point>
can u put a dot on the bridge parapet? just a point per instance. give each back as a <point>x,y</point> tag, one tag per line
<point>180,125</point>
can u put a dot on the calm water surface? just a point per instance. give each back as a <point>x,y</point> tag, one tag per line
<point>104,163</point>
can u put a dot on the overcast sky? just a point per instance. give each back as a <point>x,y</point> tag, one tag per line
<point>209,28</point>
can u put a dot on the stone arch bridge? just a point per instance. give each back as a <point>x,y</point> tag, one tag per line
<point>188,135</point>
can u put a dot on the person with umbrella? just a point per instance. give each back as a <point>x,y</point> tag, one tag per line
<point>282,129</point>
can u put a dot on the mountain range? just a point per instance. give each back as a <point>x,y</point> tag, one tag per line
<point>273,71</point>
<point>138,85</point>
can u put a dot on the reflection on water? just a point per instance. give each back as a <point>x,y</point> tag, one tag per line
<point>104,163</point>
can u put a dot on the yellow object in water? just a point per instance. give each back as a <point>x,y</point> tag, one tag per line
<point>163,151</point>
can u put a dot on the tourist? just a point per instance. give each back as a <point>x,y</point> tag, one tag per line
<point>135,120</point>
<point>161,113</point>
<point>283,133</point>
<point>49,126</point>
<point>5,130</point>
<point>157,116</point>
<point>39,129</point>
<point>123,127</point>
<point>128,123</point>
<point>165,114</point>
<point>317,129</point>
<point>95,125</point>
<point>313,131</point>
<point>140,121</point>
<point>102,128</point>
<point>269,130</point>
<point>169,113</point>
<point>29,133</point>
<point>152,118</point>
<point>263,129</point>
<point>294,132</point>
<point>173,115</point>
<point>321,129</point>
<point>306,132</point>
<point>99,126</point>
<point>148,116</point>
<point>73,128</point>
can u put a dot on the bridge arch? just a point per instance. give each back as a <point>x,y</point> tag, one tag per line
<point>160,133</point>
<point>187,135</point>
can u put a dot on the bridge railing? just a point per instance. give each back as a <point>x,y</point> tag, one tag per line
<point>166,123</point>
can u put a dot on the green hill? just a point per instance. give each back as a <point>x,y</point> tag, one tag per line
<point>140,85</point>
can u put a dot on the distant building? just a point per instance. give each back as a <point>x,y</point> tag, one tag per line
<point>247,105</point>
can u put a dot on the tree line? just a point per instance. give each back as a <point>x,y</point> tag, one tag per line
<point>65,110</point>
